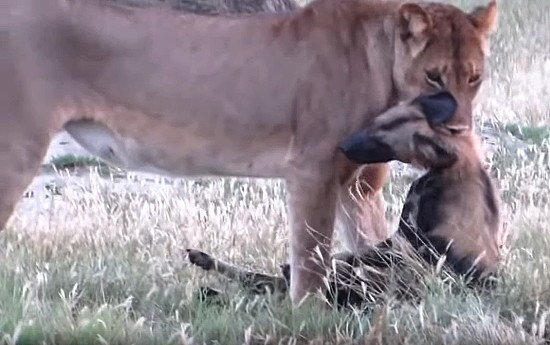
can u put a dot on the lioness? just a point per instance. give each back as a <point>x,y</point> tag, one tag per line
<point>266,95</point>
<point>451,211</point>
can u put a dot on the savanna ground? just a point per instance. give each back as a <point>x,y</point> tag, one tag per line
<point>97,262</point>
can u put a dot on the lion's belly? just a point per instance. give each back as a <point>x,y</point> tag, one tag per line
<point>183,155</point>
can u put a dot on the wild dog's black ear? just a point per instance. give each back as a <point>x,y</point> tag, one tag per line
<point>362,148</point>
<point>438,107</point>
<point>433,153</point>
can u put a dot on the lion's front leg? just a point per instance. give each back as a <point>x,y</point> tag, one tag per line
<point>24,137</point>
<point>312,201</point>
<point>361,219</point>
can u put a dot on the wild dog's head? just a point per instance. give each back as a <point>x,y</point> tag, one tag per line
<point>409,132</point>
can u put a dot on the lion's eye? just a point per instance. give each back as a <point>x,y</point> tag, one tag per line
<point>474,79</point>
<point>434,79</point>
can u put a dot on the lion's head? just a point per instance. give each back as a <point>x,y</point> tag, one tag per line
<point>438,46</point>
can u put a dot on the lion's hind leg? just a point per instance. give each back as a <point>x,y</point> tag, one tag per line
<point>255,282</point>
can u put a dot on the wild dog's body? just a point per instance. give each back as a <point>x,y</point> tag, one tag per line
<point>456,210</point>
<point>216,7</point>
<point>452,210</point>
<point>183,95</point>
<point>454,206</point>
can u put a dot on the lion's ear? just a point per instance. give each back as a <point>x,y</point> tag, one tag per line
<point>415,26</point>
<point>485,18</point>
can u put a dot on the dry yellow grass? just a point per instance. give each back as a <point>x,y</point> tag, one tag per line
<point>104,262</point>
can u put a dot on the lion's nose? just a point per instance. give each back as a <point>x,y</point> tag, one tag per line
<point>463,118</point>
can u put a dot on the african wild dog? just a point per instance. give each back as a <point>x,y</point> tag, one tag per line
<point>452,210</point>
<point>218,7</point>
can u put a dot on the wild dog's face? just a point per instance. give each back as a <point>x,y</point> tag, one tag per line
<point>440,47</point>
<point>410,132</point>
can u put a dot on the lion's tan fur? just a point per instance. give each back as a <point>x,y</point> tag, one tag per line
<point>262,95</point>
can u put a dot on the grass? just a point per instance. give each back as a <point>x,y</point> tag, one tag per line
<point>75,163</point>
<point>104,262</point>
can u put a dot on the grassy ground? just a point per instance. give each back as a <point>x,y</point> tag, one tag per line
<point>97,265</point>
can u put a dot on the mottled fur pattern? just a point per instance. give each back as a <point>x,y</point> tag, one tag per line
<point>218,7</point>
<point>452,211</point>
<point>262,95</point>
<point>455,212</point>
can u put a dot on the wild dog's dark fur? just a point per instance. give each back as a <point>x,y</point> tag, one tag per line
<point>218,7</point>
<point>344,285</point>
<point>452,210</point>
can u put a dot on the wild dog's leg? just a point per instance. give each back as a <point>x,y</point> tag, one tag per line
<point>380,256</point>
<point>361,216</point>
<point>312,202</point>
<point>258,282</point>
